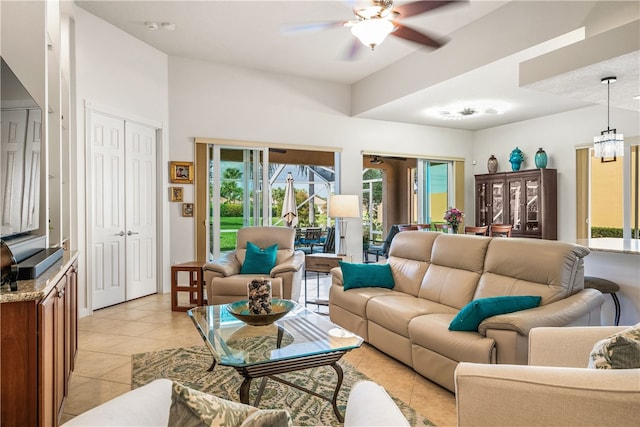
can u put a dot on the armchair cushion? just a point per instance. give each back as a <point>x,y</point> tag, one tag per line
<point>619,351</point>
<point>258,260</point>
<point>469,318</point>
<point>366,275</point>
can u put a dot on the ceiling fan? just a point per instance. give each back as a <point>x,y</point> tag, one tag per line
<point>376,19</point>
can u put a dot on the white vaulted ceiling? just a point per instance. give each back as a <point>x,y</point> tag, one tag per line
<point>488,44</point>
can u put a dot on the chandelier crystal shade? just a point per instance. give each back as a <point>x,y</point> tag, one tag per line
<point>609,144</point>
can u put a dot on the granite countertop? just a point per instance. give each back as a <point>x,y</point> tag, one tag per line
<point>36,289</point>
<point>610,244</point>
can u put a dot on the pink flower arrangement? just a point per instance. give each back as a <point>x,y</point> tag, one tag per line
<point>453,217</point>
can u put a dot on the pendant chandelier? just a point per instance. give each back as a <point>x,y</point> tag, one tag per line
<point>609,144</point>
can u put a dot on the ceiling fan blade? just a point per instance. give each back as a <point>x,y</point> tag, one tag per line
<point>314,26</point>
<point>418,7</point>
<point>412,35</point>
<point>353,51</point>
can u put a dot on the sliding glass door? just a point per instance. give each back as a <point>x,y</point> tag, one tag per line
<point>433,189</point>
<point>238,194</point>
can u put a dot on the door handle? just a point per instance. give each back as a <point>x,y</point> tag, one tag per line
<point>120,234</point>
<point>129,233</point>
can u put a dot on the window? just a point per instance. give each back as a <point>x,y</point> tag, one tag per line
<point>607,195</point>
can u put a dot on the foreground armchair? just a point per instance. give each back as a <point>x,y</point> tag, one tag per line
<point>555,389</point>
<point>226,282</point>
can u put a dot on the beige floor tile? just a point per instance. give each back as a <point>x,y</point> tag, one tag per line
<point>95,364</point>
<point>121,374</point>
<point>90,394</point>
<point>100,342</point>
<point>116,326</point>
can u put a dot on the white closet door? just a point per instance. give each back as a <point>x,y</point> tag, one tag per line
<point>107,214</point>
<point>140,208</point>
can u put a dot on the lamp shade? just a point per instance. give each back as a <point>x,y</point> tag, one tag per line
<point>344,206</point>
<point>372,32</point>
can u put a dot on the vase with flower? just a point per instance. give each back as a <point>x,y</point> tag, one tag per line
<point>453,217</point>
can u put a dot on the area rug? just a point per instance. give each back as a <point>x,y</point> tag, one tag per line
<point>189,366</point>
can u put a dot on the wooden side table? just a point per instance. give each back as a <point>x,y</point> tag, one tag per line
<point>320,263</point>
<point>194,286</point>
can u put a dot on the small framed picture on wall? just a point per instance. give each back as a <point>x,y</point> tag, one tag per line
<point>187,209</point>
<point>181,172</point>
<point>176,194</point>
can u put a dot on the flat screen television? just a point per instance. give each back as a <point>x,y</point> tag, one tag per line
<point>20,159</point>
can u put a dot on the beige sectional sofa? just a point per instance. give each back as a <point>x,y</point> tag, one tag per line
<point>436,275</point>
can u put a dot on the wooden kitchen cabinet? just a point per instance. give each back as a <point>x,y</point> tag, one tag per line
<point>38,349</point>
<point>526,199</point>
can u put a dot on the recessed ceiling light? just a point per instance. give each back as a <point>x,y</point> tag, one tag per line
<point>169,26</point>
<point>637,97</point>
<point>151,25</point>
<point>459,111</point>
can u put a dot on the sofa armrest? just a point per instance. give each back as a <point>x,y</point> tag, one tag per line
<point>512,395</point>
<point>559,313</point>
<point>370,405</point>
<point>294,264</point>
<point>224,266</point>
<point>568,346</point>
<point>336,276</point>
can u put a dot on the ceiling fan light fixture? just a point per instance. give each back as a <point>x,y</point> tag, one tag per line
<point>376,160</point>
<point>372,32</point>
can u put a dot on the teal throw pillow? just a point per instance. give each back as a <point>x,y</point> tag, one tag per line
<point>366,275</point>
<point>259,261</point>
<point>477,310</point>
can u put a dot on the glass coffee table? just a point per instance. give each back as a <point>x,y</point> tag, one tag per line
<point>300,340</point>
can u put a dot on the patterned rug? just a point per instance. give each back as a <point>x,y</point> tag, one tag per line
<point>189,366</point>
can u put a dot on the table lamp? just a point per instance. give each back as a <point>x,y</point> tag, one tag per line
<point>343,206</point>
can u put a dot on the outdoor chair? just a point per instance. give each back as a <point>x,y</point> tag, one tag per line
<point>225,281</point>
<point>328,242</point>
<point>312,237</point>
<point>383,250</point>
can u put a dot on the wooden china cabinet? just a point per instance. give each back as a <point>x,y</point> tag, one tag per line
<point>526,199</point>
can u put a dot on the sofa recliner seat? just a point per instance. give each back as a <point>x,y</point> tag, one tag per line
<point>436,275</point>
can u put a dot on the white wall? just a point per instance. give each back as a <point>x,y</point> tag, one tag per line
<point>119,74</point>
<point>219,101</point>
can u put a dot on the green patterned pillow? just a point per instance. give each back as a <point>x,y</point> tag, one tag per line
<point>193,408</point>
<point>268,418</point>
<point>619,351</point>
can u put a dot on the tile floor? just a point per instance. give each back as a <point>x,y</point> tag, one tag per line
<point>109,337</point>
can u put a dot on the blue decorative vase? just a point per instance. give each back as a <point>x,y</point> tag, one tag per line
<point>516,158</point>
<point>541,158</point>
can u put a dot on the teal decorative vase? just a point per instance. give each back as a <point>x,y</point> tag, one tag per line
<point>541,158</point>
<point>516,158</point>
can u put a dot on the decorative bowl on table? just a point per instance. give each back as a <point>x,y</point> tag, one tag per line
<point>240,310</point>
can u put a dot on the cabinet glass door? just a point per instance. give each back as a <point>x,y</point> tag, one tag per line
<point>482,214</point>
<point>516,200</point>
<point>533,206</point>
<point>497,202</point>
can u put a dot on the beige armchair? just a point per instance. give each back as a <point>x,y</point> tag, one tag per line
<point>225,284</point>
<point>554,389</point>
